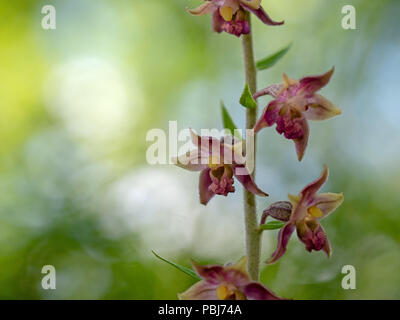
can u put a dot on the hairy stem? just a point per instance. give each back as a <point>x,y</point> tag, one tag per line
<point>253,236</point>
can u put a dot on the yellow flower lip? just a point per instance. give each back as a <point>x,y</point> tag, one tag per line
<point>315,212</point>
<point>213,162</point>
<point>226,13</point>
<point>226,291</point>
<point>222,292</point>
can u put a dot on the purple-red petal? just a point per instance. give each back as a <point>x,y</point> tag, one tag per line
<point>210,273</point>
<point>256,291</point>
<point>217,21</point>
<point>327,248</point>
<point>301,143</point>
<point>309,191</point>
<point>268,118</point>
<point>204,182</point>
<point>235,277</point>
<point>283,239</point>
<point>311,84</point>
<point>248,182</point>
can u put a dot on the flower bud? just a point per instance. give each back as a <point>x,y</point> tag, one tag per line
<point>280,210</point>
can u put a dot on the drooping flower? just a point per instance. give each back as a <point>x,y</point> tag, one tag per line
<point>229,15</point>
<point>230,282</point>
<point>308,208</point>
<point>296,102</point>
<point>219,161</point>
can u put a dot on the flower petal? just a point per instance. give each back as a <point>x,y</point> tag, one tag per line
<point>327,202</point>
<point>207,7</point>
<point>311,84</point>
<point>217,22</point>
<point>191,160</point>
<point>210,273</point>
<point>300,209</point>
<point>233,151</point>
<point>207,145</point>
<point>320,108</point>
<point>309,191</point>
<point>256,291</point>
<point>268,118</point>
<point>248,182</point>
<point>201,290</point>
<point>236,277</point>
<point>301,143</point>
<point>283,239</point>
<point>204,182</point>
<point>237,274</point>
<point>262,15</point>
<point>327,248</point>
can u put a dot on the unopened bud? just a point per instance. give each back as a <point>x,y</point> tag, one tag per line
<point>280,210</point>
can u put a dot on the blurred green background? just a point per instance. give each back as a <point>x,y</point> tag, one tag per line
<point>76,104</point>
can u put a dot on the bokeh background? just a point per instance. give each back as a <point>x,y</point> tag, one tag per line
<point>77,102</point>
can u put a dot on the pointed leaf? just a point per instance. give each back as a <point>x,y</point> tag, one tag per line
<point>228,122</point>
<point>269,61</point>
<point>272,225</point>
<point>247,100</point>
<point>188,271</point>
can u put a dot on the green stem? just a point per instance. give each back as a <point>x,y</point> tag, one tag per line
<point>253,236</point>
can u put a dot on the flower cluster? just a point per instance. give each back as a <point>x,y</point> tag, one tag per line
<point>221,161</point>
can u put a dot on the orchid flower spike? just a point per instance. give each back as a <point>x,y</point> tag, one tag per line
<point>229,15</point>
<point>230,282</point>
<point>296,102</point>
<point>308,208</point>
<point>218,162</point>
